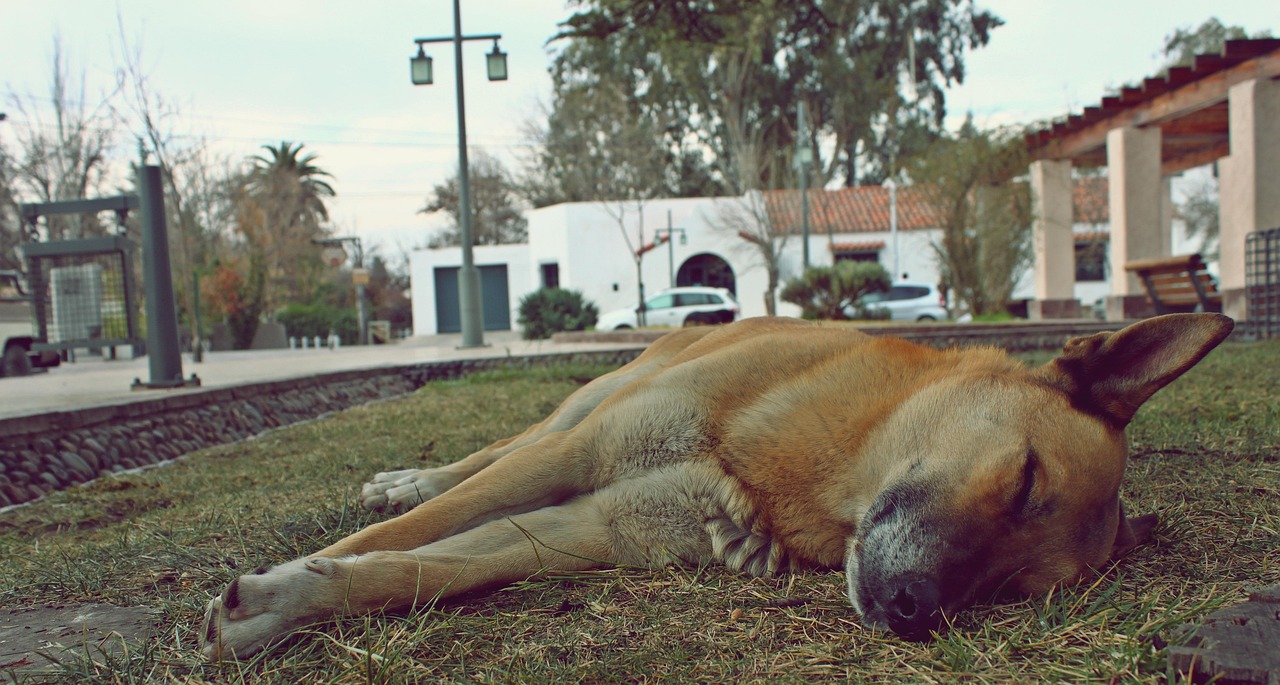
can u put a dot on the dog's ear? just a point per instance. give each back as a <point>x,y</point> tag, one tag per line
<point>1112,374</point>
<point>1132,532</point>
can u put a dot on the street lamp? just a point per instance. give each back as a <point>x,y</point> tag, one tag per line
<point>420,73</point>
<point>665,234</point>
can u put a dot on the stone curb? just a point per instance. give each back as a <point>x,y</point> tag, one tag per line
<point>47,452</point>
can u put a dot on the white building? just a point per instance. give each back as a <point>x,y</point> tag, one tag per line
<point>582,246</point>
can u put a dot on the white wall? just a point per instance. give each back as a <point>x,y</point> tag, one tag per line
<point>521,278</point>
<point>585,241</point>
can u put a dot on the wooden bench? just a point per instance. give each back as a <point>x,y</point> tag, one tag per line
<point>1178,284</point>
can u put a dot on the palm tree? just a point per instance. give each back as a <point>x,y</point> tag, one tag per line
<point>291,190</point>
<point>285,176</point>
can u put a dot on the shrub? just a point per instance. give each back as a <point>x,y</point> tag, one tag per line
<point>310,320</point>
<point>825,292</point>
<point>551,310</point>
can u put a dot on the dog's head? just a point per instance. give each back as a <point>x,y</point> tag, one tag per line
<point>1008,479</point>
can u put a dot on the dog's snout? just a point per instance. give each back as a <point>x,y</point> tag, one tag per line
<point>912,607</point>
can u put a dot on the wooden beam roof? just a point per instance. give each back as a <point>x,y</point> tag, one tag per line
<point>1189,105</point>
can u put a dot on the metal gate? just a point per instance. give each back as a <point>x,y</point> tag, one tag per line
<point>1262,282</point>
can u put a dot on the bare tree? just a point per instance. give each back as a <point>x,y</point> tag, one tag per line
<point>986,216</point>
<point>63,154</point>
<point>184,160</point>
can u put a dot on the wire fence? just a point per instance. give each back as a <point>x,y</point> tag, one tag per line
<point>1262,282</point>
<point>82,294</point>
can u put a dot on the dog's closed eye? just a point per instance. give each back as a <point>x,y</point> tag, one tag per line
<point>1022,504</point>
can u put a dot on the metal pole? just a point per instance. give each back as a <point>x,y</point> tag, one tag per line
<point>804,180</point>
<point>362,304</point>
<point>164,355</point>
<point>893,228</point>
<point>197,339</point>
<point>671,254</point>
<point>468,276</point>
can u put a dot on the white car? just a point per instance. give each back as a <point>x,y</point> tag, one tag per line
<point>677,307</point>
<point>906,302</point>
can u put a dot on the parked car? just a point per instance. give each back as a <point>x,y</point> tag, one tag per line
<point>16,333</point>
<point>677,307</point>
<point>905,301</point>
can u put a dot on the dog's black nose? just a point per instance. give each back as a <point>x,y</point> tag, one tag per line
<point>913,607</point>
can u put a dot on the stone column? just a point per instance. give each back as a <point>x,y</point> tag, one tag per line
<point>1053,242</point>
<point>1249,180</point>
<point>1138,228</point>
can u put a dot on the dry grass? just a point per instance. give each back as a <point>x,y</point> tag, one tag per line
<point>1204,458</point>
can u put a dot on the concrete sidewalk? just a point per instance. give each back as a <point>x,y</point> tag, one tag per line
<point>92,381</point>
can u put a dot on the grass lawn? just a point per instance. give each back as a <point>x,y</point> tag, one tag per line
<point>1204,456</point>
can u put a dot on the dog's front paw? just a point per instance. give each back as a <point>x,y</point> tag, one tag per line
<point>400,491</point>
<point>258,610</point>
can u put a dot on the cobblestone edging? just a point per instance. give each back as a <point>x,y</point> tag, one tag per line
<point>43,453</point>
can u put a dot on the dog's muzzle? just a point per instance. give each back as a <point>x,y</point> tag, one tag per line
<point>909,605</point>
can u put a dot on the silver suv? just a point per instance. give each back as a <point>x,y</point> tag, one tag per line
<point>677,307</point>
<point>906,301</point>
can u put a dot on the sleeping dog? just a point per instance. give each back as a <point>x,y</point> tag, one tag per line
<point>932,478</point>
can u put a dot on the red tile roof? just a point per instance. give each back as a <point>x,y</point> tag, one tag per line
<point>865,209</point>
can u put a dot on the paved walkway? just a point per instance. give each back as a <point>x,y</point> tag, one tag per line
<point>93,381</point>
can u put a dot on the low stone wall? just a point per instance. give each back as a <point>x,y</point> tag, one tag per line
<point>47,452</point>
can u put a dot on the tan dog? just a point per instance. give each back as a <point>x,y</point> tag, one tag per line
<point>933,477</point>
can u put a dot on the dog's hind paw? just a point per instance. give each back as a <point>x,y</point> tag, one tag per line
<point>258,610</point>
<point>400,491</point>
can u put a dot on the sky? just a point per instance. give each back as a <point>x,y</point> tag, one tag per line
<point>334,75</point>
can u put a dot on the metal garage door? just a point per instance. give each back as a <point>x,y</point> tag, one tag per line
<point>493,298</point>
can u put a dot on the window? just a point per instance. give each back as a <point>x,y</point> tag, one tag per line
<point>695,299</point>
<point>661,302</point>
<point>551,276</point>
<point>872,256</point>
<point>906,292</point>
<point>1091,260</point>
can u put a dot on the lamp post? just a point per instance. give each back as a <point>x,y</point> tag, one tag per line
<point>420,71</point>
<point>804,155</point>
<point>893,227</point>
<point>358,275</point>
<point>665,234</point>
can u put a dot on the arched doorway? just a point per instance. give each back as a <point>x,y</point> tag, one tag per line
<point>707,270</point>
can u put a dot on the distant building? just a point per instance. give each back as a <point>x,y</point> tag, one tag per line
<point>581,246</point>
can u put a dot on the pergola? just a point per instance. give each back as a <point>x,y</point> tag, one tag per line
<point>1223,108</point>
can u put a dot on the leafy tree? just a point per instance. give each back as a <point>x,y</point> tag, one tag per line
<point>497,217</point>
<point>1182,46</point>
<point>553,310</point>
<point>1199,207</point>
<point>669,55</point>
<point>596,144</point>
<point>825,292</point>
<point>290,191</point>
<point>985,215</point>
<point>1200,211</point>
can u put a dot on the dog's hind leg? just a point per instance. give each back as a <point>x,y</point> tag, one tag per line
<point>399,491</point>
<point>255,611</point>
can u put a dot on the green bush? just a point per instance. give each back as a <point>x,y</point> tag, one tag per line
<point>310,320</point>
<point>551,310</point>
<point>824,292</point>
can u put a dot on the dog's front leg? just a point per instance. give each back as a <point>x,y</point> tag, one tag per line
<point>257,610</point>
